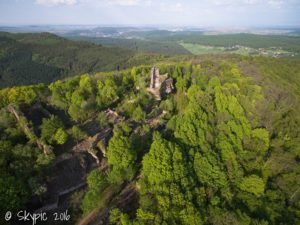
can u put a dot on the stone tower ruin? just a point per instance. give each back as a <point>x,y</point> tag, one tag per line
<point>160,84</point>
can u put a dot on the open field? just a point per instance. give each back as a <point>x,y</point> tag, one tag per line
<point>198,49</point>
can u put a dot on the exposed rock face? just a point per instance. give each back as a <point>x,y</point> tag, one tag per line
<point>168,86</point>
<point>28,131</point>
<point>68,174</point>
<point>90,143</point>
<point>160,84</point>
<point>113,116</point>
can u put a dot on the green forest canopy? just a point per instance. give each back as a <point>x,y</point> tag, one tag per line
<point>227,151</point>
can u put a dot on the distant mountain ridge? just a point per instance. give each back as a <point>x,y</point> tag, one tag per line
<point>30,58</point>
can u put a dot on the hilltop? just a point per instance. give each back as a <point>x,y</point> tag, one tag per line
<point>220,146</point>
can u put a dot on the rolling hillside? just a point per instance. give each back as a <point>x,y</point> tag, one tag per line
<point>43,58</point>
<point>137,45</point>
<point>193,42</point>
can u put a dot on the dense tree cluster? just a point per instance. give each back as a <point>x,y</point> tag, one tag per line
<point>22,94</point>
<point>96,182</point>
<point>121,155</point>
<point>21,165</point>
<point>82,96</point>
<point>44,58</point>
<point>223,148</point>
<point>52,131</point>
<point>212,165</point>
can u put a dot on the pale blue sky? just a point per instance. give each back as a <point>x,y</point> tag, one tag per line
<point>202,13</point>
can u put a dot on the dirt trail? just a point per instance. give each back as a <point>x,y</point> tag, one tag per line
<point>88,218</point>
<point>127,193</point>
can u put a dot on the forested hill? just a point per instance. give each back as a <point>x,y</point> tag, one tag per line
<point>43,57</point>
<point>222,148</point>
<point>31,58</point>
<point>137,45</point>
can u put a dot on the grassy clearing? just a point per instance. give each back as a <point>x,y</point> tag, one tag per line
<point>198,49</point>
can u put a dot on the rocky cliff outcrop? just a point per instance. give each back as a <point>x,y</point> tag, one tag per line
<point>160,85</point>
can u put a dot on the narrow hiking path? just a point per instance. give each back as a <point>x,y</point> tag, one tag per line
<point>124,194</point>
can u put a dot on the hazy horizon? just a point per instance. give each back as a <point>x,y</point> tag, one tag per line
<point>191,13</point>
<point>154,26</point>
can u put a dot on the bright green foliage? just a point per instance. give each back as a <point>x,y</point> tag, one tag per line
<point>192,126</point>
<point>214,127</point>
<point>121,157</point>
<point>253,184</point>
<point>18,95</point>
<point>82,99</point>
<point>77,113</point>
<point>214,82</point>
<point>208,171</point>
<point>168,181</point>
<point>96,180</point>
<point>107,93</point>
<point>62,92</point>
<point>229,159</point>
<point>128,107</point>
<point>77,98</point>
<point>102,120</point>
<point>157,163</point>
<point>181,84</point>
<point>96,184</point>
<point>60,136</point>
<point>133,74</point>
<point>138,114</point>
<point>114,216</point>
<point>52,131</point>
<point>235,71</point>
<point>77,133</point>
<point>191,129</point>
<point>226,150</point>
<point>75,95</point>
<point>85,84</point>
<point>261,138</point>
